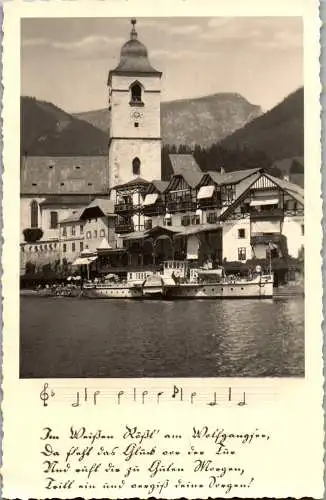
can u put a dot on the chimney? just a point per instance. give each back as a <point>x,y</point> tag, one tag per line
<point>286,178</point>
<point>222,171</point>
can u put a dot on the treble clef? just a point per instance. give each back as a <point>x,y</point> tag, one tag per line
<point>44,395</point>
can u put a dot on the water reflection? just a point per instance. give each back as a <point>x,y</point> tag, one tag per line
<point>114,338</point>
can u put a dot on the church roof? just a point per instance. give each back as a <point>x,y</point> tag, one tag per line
<point>64,175</point>
<point>134,57</point>
<point>66,199</point>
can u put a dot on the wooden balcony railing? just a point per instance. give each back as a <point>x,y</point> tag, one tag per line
<point>123,207</point>
<point>181,206</point>
<point>273,213</point>
<point>156,209</point>
<point>209,203</point>
<point>122,228</point>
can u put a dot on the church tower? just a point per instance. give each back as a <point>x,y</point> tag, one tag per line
<point>135,122</point>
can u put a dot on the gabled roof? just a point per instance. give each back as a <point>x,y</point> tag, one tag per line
<point>232,177</point>
<point>138,181</point>
<point>160,185</point>
<point>100,206</point>
<point>297,179</point>
<point>244,186</point>
<point>186,166</point>
<point>294,190</point>
<point>64,175</point>
<point>74,217</point>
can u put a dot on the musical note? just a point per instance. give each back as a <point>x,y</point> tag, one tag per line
<point>45,394</point>
<point>214,402</point>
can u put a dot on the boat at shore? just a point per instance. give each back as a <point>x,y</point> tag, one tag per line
<point>180,281</point>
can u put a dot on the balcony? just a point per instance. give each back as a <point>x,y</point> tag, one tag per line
<point>181,206</point>
<point>209,203</point>
<point>120,208</point>
<point>155,209</point>
<point>265,238</point>
<point>272,213</point>
<point>122,228</point>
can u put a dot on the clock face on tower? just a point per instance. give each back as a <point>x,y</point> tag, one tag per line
<point>136,115</point>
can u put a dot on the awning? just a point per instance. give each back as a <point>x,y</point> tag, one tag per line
<point>83,261</point>
<point>257,202</point>
<point>150,199</point>
<point>205,192</point>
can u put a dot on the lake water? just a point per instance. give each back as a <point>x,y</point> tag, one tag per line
<point>63,337</point>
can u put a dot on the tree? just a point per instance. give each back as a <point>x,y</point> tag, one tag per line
<point>32,234</point>
<point>296,167</point>
<point>29,267</point>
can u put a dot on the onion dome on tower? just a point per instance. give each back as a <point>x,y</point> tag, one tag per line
<point>134,56</point>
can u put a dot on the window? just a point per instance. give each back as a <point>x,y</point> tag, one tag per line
<point>64,231</point>
<point>136,124</point>
<point>62,183</point>
<point>64,248</point>
<point>241,233</point>
<point>135,93</point>
<point>136,166</point>
<point>73,247</point>
<point>195,219</point>
<point>185,221</point>
<point>302,229</point>
<point>167,221</point>
<point>81,246</point>
<point>102,233</point>
<point>53,220</point>
<point>88,235</point>
<point>34,214</point>
<point>245,208</point>
<point>242,254</point>
<point>81,229</point>
<point>95,233</point>
<point>211,218</point>
<point>73,230</point>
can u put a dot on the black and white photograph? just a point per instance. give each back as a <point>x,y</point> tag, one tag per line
<point>162,225</point>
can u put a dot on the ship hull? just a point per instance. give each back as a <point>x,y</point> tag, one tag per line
<point>220,291</point>
<point>105,292</point>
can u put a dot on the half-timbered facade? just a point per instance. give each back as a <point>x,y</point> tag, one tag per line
<point>267,216</point>
<point>234,216</point>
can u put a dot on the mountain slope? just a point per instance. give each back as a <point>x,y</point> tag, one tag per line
<point>203,120</point>
<point>279,133</point>
<point>48,130</point>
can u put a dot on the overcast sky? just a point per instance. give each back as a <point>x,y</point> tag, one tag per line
<point>66,61</point>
